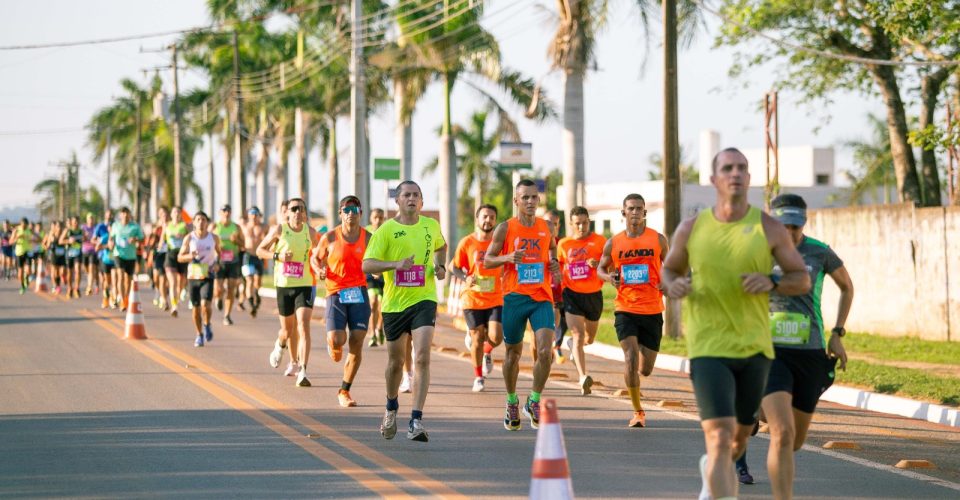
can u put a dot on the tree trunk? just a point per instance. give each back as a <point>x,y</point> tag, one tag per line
<point>301,124</point>
<point>904,163</point>
<point>447,165</point>
<point>227,163</point>
<point>930,88</point>
<point>211,177</point>
<point>282,169</point>
<point>671,149</point>
<point>403,132</point>
<point>154,193</point>
<point>572,141</point>
<point>333,203</point>
<point>263,164</point>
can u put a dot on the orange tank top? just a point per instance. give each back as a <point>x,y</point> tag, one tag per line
<point>574,256</point>
<point>638,261</point>
<point>532,276</point>
<point>344,261</point>
<point>486,291</point>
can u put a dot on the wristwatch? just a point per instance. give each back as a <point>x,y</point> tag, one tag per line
<point>839,331</point>
<point>775,279</point>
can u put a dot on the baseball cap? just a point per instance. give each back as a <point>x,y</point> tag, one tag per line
<point>254,211</point>
<point>789,209</point>
<point>225,208</point>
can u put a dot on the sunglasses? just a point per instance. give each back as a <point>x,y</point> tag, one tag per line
<point>296,209</point>
<point>350,209</point>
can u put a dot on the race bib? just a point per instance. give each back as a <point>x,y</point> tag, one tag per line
<point>176,242</point>
<point>122,242</point>
<point>530,273</point>
<point>198,271</point>
<point>578,270</point>
<point>248,270</point>
<point>59,251</point>
<point>484,283</point>
<point>227,256</point>
<point>351,295</point>
<point>293,269</point>
<point>635,274</point>
<point>73,253</point>
<point>788,328</point>
<point>413,277</point>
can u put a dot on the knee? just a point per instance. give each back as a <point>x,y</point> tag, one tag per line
<point>646,371</point>
<point>720,439</point>
<point>782,436</point>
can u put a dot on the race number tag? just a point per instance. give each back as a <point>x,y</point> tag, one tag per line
<point>248,270</point>
<point>788,328</point>
<point>635,274</point>
<point>413,277</point>
<point>351,295</point>
<point>293,269</point>
<point>578,270</point>
<point>484,283</point>
<point>73,253</point>
<point>198,271</point>
<point>227,256</point>
<point>530,273</point>
<point>122,242</point>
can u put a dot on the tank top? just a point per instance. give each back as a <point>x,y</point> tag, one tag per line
<point>230,252</point>
<point>638,262</point>
<point>574,254</point>
<point>720,319</point>
<point>88,246</point>
<point>532,276</point>
<point>22,244</point>
<point>296,272</point>
<point>175,232</point>
<point>344,261</point>
<point>161,244</point>
<point>206,249</point>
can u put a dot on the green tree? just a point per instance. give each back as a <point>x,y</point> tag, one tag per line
<point>689,173</point>
<point>874,165</point>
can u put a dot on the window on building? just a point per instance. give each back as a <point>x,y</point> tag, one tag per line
<point>823,179</point>
<point>606,229</point>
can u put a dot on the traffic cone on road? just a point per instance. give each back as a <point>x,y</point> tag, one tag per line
<point>550,477</point>
<point>134,328</point>
<point>41,285</point>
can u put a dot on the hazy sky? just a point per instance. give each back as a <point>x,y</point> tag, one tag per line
<point>60,89</point>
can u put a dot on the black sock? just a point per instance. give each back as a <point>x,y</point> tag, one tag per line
<point>345,386</point>
<point>416,415</point>
<point>742,461</point>
<point>393,404</point>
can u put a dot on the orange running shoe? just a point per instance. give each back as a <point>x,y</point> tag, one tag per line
<point>345,400</point>
<point>105,303</point>
<point>336,353</point>
<point>639,419</point>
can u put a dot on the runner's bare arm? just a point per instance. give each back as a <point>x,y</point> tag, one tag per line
<point>795,280</point>
<point>438,268</point>
<point>845,284</point>
<point>377,266</point>
<point>265,250</point>
<point>492,259</point>
<point>184,256</point>
<point>454,265</point>
<point>675,267</point>
<point>605,261</point>
<point>320,252</point>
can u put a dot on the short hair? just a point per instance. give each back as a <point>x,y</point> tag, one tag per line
<point>553,211</point>
<point>579,211</point>
<point>350,199</point>
<point>377,211</point>
<point>788,200</point>
<point>408,182</point>
<point>125,210</point>
<point>525,183</point>
<point>24,221</point>
<point>633,196</point>
<point>291,200</point>
<point>284,203</point>
<point>716,157</point>
<point>201,213</point>
<point>486,206</point>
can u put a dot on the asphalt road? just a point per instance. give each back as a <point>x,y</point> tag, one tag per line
<point>84,413</point>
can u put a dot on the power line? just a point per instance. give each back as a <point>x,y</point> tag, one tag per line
<point>14,133</point>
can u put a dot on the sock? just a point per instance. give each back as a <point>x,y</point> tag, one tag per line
<point>535,396</point>
<point>512,398</point>
<point>478,371</point>
<point>393,404</point>
<point>487,347</point>
<point>635,397</point>
<point>345,386</point>
<point>416,415</point>
<point>742,461</point>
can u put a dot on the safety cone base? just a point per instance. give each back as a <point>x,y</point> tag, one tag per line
<point>134,328</point>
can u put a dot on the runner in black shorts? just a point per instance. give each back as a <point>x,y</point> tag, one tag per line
<point>375,293</point>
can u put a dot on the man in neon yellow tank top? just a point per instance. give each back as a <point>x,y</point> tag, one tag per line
<point>294,239</point>
<point>228,277</point>
<point>409,251</point>
<point>721,261</point>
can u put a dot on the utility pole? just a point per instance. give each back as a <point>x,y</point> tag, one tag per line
<point>106,201</point>
<point>211,200</point>
<point>671,147</point>
<point>177,172</point>
<point>139,168</point>
<point>238,126</point>
<point>61,209</point>
<point>358,107</point>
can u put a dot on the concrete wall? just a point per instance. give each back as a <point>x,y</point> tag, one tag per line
<point>905,267</point>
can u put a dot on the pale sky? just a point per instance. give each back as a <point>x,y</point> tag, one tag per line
<point>60,89</point>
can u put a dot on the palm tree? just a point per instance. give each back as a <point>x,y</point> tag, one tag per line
<point>875,164</point>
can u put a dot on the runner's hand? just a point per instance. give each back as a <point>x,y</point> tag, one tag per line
<point>679,289</point>
<point>517,256</point>
<point>471,279</point>
<point>615,279</point>
<point>322,272</point>
<point>835,350</point>
<point>404,264</point>
<point>756,283</point>
<point>593,263</point>
<point>440,272</point>
<point>287,256</point>
<point>555,267</point>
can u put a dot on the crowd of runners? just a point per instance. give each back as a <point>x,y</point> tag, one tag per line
<point>751,284</point>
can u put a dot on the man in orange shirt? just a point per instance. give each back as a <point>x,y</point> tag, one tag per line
<point>339,261</point>
<point>582,299</point>
<point>482,296</point>
<point>631,262</point>
<point>525,246</point>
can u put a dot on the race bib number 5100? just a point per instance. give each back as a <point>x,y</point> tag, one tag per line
<point>788,328</point>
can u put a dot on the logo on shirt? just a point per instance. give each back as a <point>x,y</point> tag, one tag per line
<point>635,252</point>
<point>528,244</point>
<point>398,234</point>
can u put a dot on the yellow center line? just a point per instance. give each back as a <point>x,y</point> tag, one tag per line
<point>393,466</point>
<point>360,474</point>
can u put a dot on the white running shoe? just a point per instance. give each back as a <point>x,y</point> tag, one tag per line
<point>292,369</point>
<point>406,382</point>
<point>183,295</point>
<point>416,432</point>
<point>388,428</point>
<point>302,378</point>
<point>478,384</point>
<point>277,355</point>
<point>487,364</point>
<point>585,384</point>
<point>467,341</point>
<point>705,489</point>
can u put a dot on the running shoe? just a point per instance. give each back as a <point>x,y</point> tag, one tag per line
<point>487,364</point>
<point>199,341</point>
<point>173,312</point>
<point>335,352</point>
<point>241,306</point>
<point>276,355</point>
<point>511,421</point>
<point>207,332</point>
<point>292,369</point>
<point>23,289</point>
<point>586,382</point>
<point>705,488</point>
<point>639,419</point>
<point>373,340</point>
<point>406,382</point>
<point>219,304</point>
<point>561,359</point>
<point>478,384</point>
<point>56,291</point>
<point>253,311</point>
<point>388,428</point>
<point>744,476</point>
<point>531,410</point>
<point>227,321</point>
<point>467,341</point>
<point>345,400</point>
<point>416,432</point>
<point>381,336</point>
<point>88,291</point>
<point>183,295</point>
<point>302,378</point>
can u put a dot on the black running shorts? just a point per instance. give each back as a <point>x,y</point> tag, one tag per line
<point>419,315</point>
<point>588,305</point>
<point>289,299</point>
<point>804,373</point>
<point>730,387</point>
<point>647,328</point>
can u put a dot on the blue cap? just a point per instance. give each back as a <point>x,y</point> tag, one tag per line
<point>790,216</point>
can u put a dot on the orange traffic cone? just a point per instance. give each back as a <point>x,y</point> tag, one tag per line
<point>134,328</point>
<point>41,285</point>
<point>550,477</point>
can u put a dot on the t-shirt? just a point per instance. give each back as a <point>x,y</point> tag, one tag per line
<point>638,261</point>
<point>121,235</point>
<point>486,292</point>
<point>394,241</point>
<point>573,254</point>
<point>344,260</point>
<point>796,321</point>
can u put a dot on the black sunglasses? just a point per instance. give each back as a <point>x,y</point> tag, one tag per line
<point>295,209</point>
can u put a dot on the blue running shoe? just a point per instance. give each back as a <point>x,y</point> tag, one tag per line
<point>532,411</point>
<point>199,341</point>
<point>208,332</point>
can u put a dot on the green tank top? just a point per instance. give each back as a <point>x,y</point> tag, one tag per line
<point>225,233</point>
<point>23,242</point>
<point>296,272</point>
<point>720,319</point>
<point>78,235</point>
<point>175,233</point>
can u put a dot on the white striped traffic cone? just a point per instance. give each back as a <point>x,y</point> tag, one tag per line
<point>41,285</point>
<point>134,328</point>
<point>550,478</point>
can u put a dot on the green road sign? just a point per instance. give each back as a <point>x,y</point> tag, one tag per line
<point>386,169</point>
